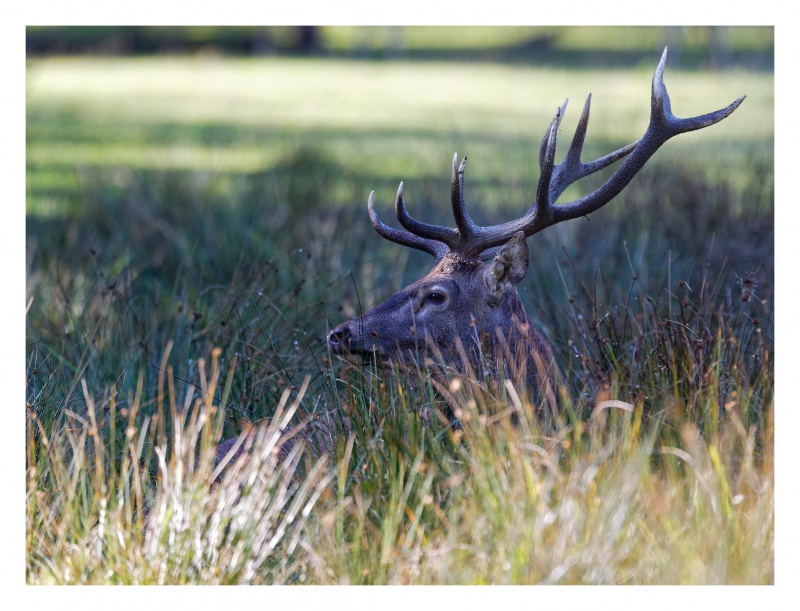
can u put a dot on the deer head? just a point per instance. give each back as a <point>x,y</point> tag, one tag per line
<point>468,303</point>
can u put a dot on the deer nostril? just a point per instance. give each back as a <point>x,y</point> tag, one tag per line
<point>338,335</point>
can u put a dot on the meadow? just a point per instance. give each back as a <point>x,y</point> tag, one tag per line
<point>195,227</point>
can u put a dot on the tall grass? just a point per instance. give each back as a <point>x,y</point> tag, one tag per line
<point>166,233</point>
<point>151,505</point>
<point>648,491</point>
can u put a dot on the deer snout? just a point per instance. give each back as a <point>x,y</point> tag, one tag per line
<point>340,339</point>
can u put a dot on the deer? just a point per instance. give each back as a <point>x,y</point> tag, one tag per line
<point>466,310</point>
<point>467,307</point>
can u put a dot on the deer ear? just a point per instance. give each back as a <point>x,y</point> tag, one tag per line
<point>508,267</point>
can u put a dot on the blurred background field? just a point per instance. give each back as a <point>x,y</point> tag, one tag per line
<point>574,46</point>
<point>206,187</point>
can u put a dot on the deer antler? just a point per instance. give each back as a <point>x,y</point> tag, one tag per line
<point>468,241</point>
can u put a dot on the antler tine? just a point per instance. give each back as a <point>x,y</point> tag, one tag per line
<point>423,230</point>
<point>660,105</point>
<point>547,157</point>
<point>466,228</point>
<point>548,143</point>
<point>437,249</point>
<point>661,111</point>
<point>572,169</point>
<point>576,147</point>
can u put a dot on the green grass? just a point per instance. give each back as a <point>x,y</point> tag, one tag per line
<point>179,206</point>
<point>381,122</point>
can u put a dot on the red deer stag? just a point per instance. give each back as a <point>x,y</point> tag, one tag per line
<point>468,301</point>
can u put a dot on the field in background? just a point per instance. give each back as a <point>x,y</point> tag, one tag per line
<point>693,47</point>
<point>184,204</point>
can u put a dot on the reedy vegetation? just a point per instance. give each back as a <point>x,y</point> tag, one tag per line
<point>163,318</point>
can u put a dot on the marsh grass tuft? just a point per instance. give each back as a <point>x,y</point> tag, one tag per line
<point>153,505</point>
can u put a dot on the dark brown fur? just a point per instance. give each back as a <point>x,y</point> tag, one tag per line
<point>461,311</point>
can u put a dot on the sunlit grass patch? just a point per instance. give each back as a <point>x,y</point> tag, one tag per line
<point>126,497</point>
<point>393,121</point>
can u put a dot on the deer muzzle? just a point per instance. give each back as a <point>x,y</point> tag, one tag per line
<point>345,339</point>
<point>348,340</point>
<point>340,340</point>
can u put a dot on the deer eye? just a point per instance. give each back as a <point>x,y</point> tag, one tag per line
<point>435,297</point>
